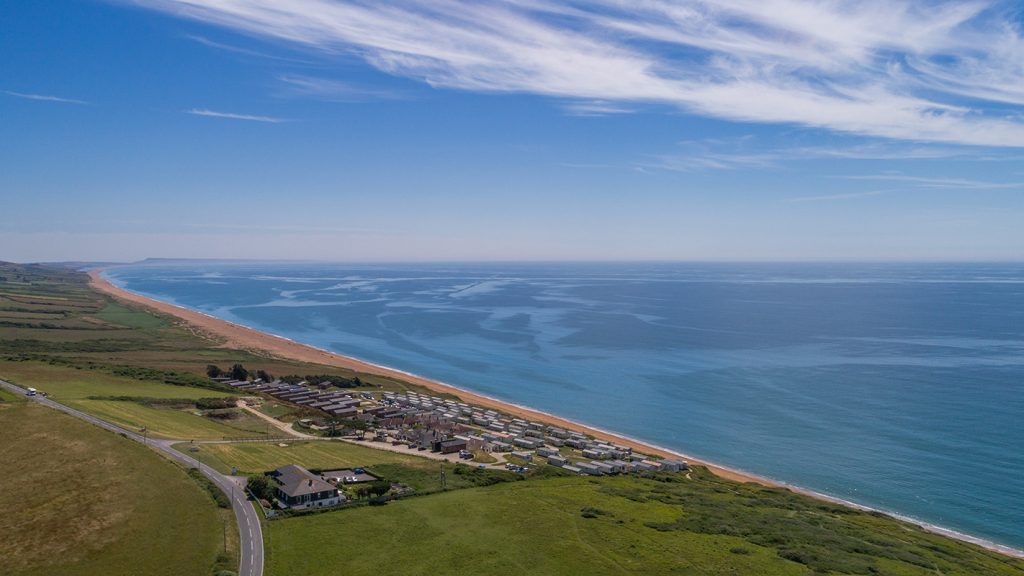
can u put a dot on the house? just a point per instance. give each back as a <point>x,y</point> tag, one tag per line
<point>674,465</point>
<point>557,460</point>
<point>345,412</point>
<point>589,469</point>
<point>524,456</point>
<point>299,488</point>
<point>449,446</point>
<point>545,451</point>
<point>558,433</point>
<point>622,465</point>
<point>527,442</point>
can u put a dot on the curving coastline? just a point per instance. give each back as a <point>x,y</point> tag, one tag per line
<point>238,336</point>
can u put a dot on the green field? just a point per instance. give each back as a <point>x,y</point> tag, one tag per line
<point>171,423</point>
<point>75,387</point>
<point>78,500</point>
<point>256,457</point>
<point>6,396</point>
<point>422,475</point>
<point>67,384</point>
<point>117,314</point>
<point>617,525</point>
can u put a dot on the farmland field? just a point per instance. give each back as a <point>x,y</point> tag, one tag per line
<point>85,501</point>
<point>66,383</point>
<point>616,525</point>
<point>256,457</point>
<point>172,423</point>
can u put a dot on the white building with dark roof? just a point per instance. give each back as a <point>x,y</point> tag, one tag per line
<point>299,488</point>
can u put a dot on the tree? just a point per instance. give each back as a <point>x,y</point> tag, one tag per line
<point>356,382</point>
<point>261,487</point>
<point>213,371</point>
<point>264,375</point>
<point>238,372</point>
<point>379,488</point>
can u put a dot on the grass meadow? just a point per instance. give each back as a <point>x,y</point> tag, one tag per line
<point>78,500</point>
<point>616,525</point>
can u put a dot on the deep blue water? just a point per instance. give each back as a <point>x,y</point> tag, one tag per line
<point>896,386</point>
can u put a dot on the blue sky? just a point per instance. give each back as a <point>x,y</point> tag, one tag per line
<point>519,130</point>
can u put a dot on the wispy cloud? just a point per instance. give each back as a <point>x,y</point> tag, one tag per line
<point>844,196</point>
<point>901,69</point>
<point>596,108</point>
<point>335,90</point>
<point>748,153</point>
<point>44,97</point>
<point>233,116</point>
<point>239,50</point>
<point>933,182</point>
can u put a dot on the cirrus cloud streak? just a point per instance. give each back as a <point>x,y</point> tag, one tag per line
<point>949,71</point>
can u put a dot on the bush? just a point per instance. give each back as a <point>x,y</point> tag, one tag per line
<point>591,512</point>
<point>219,497</point>
<point>261,486</point>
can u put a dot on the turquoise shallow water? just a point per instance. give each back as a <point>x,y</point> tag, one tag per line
<point>896,386</point>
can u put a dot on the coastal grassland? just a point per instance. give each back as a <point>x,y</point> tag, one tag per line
<point>276,409</point>
<point>79,500</point>
<point>618,525</point>
<point>70,382</point>
<point>117,314</point>
<point>91,390</point>
<point>50,313</point>
<point>421,474</point>
<point>6,396</point>
<point>258,457</point>
<point>173,423</point>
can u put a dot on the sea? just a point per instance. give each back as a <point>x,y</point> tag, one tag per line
<point>894,386</point>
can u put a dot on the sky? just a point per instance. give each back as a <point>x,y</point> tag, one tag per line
<point>512,130</point>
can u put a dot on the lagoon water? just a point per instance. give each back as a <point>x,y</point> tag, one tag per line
<point>896,386</point>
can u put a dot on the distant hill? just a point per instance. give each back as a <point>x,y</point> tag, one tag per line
<point>14,273</point>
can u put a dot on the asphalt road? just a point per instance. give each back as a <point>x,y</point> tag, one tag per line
<point>249,531</point>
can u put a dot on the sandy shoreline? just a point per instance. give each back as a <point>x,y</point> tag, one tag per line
<point>242,337</point>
